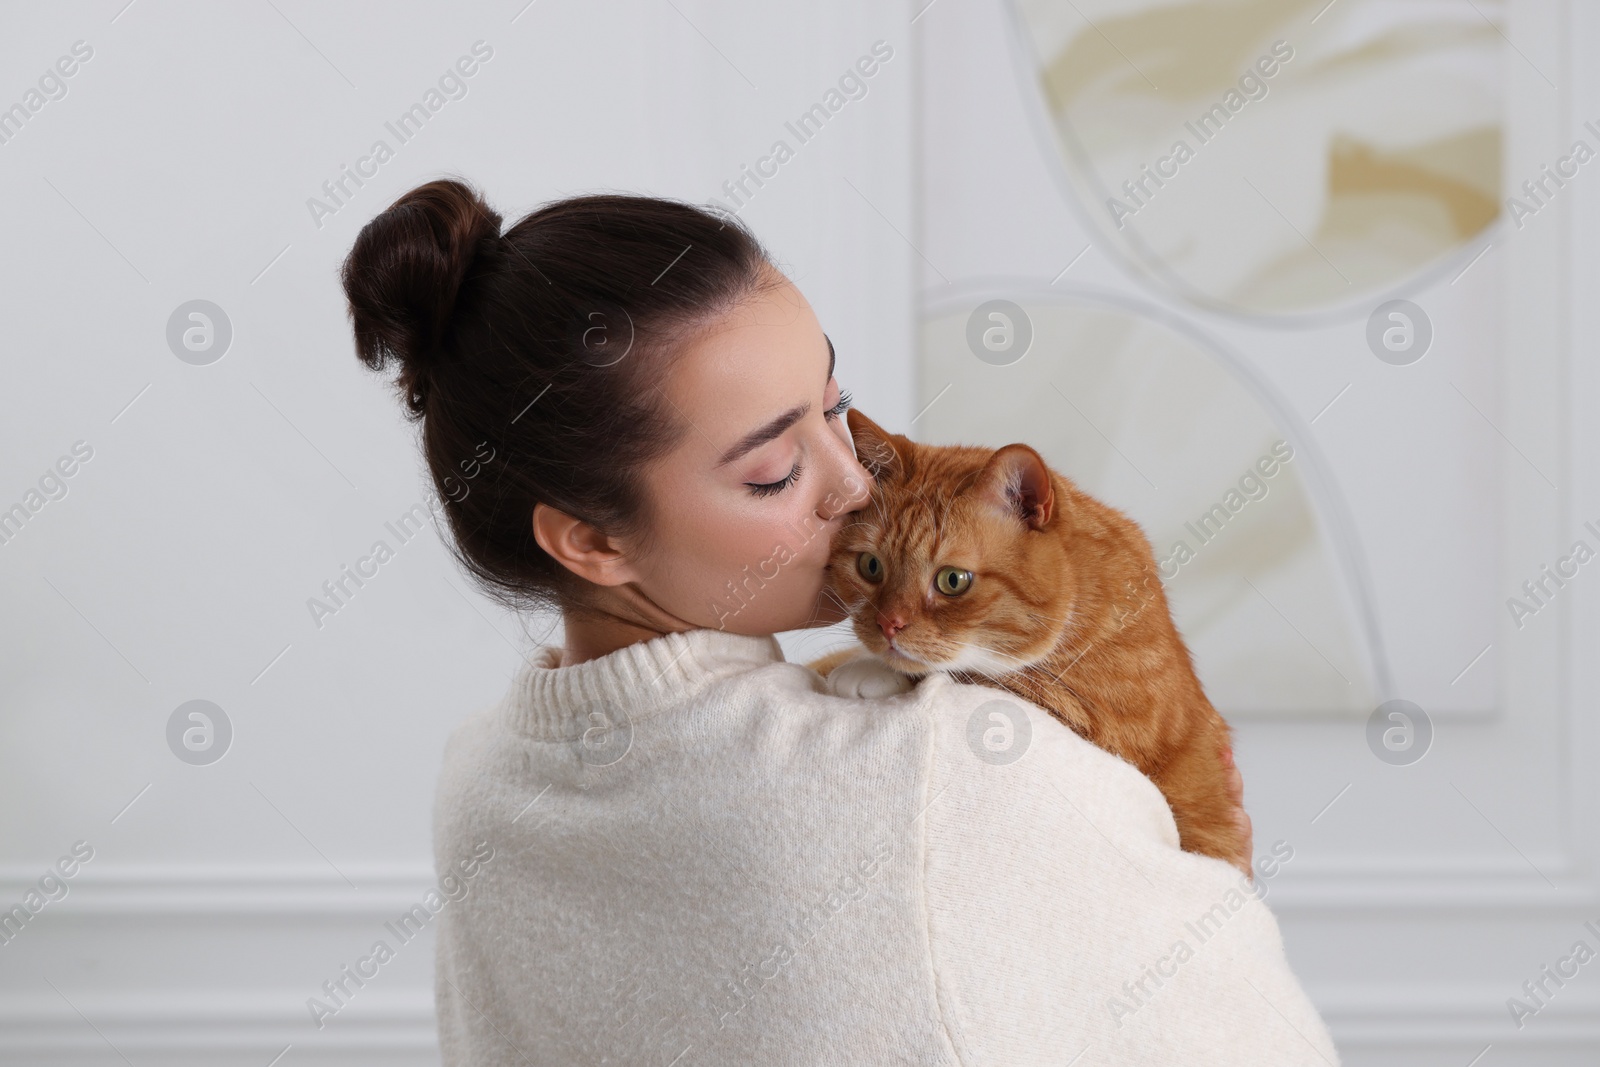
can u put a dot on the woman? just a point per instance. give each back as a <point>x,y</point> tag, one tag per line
<point>666,844</point>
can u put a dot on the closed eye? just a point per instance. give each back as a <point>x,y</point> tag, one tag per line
<point>840,408</point>
<point>768,488</point>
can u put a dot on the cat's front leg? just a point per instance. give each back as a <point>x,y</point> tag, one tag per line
<point>868,677</point>
<point>824,665</point>
<point>855,672</point>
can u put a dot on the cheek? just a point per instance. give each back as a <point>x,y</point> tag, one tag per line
<point>719,543</point>
<point>769,558</point>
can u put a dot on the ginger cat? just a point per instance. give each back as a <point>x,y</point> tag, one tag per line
<point>990,566</point>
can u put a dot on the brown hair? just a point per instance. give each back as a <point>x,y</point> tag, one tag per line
<point>541,347</point>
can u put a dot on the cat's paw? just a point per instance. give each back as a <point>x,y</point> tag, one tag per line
<point>867,678</point>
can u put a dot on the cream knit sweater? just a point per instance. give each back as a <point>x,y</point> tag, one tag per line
<point>700,855</point>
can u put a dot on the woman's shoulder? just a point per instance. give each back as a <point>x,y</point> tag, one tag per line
<point>475,750</point>
<point>774,723</point>
<point>471,741</point>
<point>783,720</point>
<point>991,740</point>
<point>1008,756</point>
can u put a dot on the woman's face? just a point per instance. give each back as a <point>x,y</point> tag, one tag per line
<point>745,507</point>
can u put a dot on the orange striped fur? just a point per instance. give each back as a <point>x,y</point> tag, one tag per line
<point>1064,608</point>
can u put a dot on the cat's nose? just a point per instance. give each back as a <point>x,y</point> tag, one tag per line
<point>890,624</point>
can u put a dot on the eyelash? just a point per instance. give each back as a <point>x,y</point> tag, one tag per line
<point>769,488</point>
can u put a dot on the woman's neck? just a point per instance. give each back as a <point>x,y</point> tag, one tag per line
<point>619,617</point>
<point>590,638</point>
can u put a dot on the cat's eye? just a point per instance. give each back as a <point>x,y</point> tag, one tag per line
<point>870,567</point>
<point>952,581</point>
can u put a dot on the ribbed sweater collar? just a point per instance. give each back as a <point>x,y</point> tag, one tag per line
<point>555,703</point>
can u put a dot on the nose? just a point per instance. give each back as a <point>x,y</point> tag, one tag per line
<point>852,481</point>
<point>890,623</point>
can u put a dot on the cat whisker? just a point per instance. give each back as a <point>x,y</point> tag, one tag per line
<point>1029,685</point>
<point>1012,661</point>
<point>1044,692</point>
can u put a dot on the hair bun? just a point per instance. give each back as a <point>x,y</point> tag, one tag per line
<point>403,275</point>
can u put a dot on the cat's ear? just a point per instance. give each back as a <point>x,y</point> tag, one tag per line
<point>875,447</point>
<point>1016,481</point>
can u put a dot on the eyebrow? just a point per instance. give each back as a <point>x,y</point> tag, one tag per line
<point>776,428</point>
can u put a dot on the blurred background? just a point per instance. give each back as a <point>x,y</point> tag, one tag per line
<point>1297,285</point>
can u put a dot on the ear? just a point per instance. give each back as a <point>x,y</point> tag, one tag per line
<point>878,450</point>
<point>580,548</point>
<point>1016,481</point>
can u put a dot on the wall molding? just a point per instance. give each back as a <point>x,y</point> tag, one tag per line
<point>37,1028</point>
<point>226,889</point>
<point>1466,881</point>
<point>203,1022</point>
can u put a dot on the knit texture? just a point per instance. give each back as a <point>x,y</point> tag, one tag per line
<point>702,856</point>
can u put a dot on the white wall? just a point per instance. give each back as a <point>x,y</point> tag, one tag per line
<point>219,498</point>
